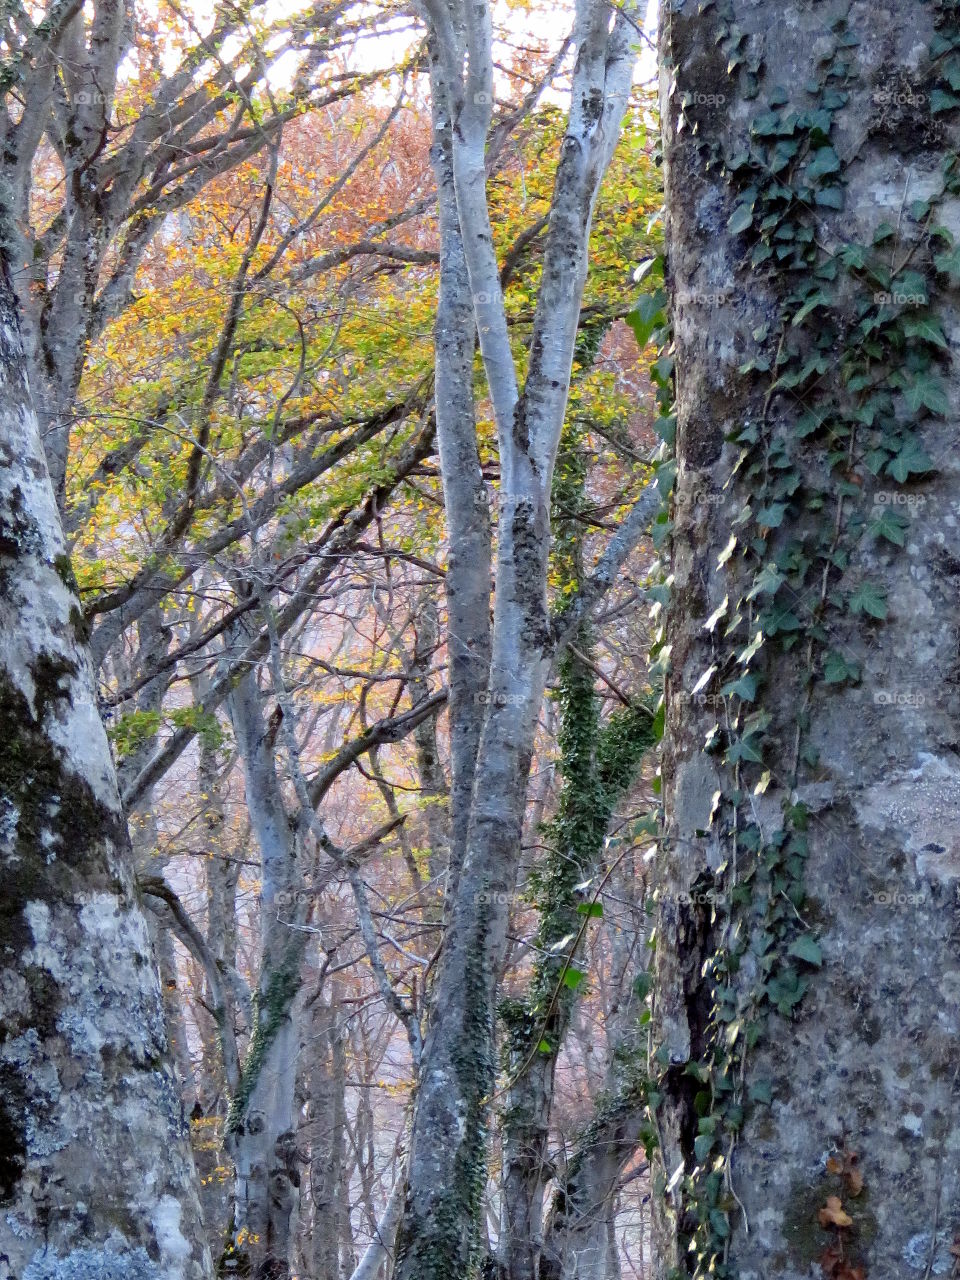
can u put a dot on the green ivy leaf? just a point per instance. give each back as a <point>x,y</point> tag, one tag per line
<point>741,219</point>
<point>824,161</point>
<point>940,101</point>
<point>926,327</point>
<point>911,460</point>
<point>836,669</point>
<point>806,948</point>
<point>868,599</point>
<point>890,525</point>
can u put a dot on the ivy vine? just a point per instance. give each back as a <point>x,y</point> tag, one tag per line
<point>806,469</point>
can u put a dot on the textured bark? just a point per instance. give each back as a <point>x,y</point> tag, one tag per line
<point>868,1061</point>
<point>95,1165</point>
<point>261,1124</point>
<point>442,1213</point>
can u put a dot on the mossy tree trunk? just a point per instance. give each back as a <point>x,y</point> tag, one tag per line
<point>807,1013</point>
<point>96,1177</point>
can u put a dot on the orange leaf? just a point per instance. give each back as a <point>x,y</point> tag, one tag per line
<point>833,1214</point>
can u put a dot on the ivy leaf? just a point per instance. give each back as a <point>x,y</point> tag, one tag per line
<point>890,525</point>
<point>767,582</point>
<point>745,687</point>
<point>748,653</point>
<point>703,1145</point>
<point>544,1047</point>
<point>836,669</point>
<point>741,219</point>
<point>910,460</point>
<point>717,614</point>
<point>642,984</point>
<point>867,599</point>
<point>816,299</point>
<point>949,261</point>
<point>648,265</point>
<point>592,909</point>
<point>648,316</point>
<point>761,1091</point>
<point>927,328</point>
<point>927,391</point>
<point>806,948</point>
<point>940,100</point>
<point>829,197</point>
<point>824,161</point>
<point>772,517</point>
<point>573,978</point>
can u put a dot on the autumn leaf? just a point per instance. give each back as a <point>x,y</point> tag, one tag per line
<point>833,1214</point>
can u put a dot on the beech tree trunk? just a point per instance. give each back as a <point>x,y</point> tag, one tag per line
<point>807,1013</point>
<point>96,1176</point>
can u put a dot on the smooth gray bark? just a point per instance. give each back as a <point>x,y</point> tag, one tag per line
<point>442,1212</point>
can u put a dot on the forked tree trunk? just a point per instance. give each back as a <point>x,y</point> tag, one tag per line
<point>807,1012</point>
<point>96,1177</point>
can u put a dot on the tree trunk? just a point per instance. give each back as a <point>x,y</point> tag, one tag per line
<point>261,1125</point>
<point>95,1169</point>
<point>807,1013</point>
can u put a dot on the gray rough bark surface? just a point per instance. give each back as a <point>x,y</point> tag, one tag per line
<point>869,1060</point>
<point>96,1177</point>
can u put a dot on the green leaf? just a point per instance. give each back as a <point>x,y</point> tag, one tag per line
<point>836,669</point>
<point>927,391</point>
<point>702,1146</point>
<point>890,525</point>
<point>824,161</point>
<point>648,266</point>
<point>573,978</point>
<point>592,909</point>
<point>642,984</point>
<point>817,299</point>
<point>949,261</point>
<point>867,599</point>
<point>940,101</point>
<point>911,460</point>
<point>806,948</point>
<point>544,1047</point>
<point>745,687</point>
<point>761,1091</point>
<point>926,327</point>
<point>772,517</point>
<point>741,219</point>
<point>648,316</point>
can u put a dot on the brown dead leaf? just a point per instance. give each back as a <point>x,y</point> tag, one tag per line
<point>833,1214</point>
